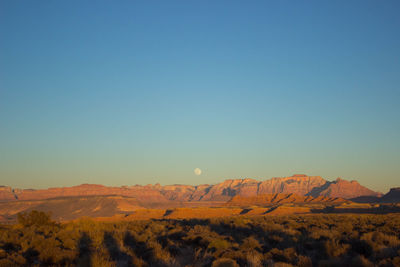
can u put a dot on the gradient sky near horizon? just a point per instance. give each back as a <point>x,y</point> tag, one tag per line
<point>138,92</point>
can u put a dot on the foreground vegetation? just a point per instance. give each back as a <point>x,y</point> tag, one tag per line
<point>309,240</point>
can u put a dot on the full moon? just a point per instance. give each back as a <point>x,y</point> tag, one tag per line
<point>197,171</point>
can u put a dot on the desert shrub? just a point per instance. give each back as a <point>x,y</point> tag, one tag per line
<point>331,262</point>
<point>115,251</point>
<point>139,262</point>
<point>13,259</point>
<point>199,229</point>
<point>241,221</point>
<point>378,240</point>
<point>361,247</point>
<point>304,261</point>
<point>323,234</point>
<point>100,259</point>
<point>287,255</point>
<point>50,251</point>
<point>202,257</point>
<point>254,259</point>
<point>275,239</point>
<point>290,254</point>
<point>7,263</point>
<point>31,255</point>
<point>272,227</point>
<point>160,255</point>
<point>333,248</point>
<point>37,218</point>
<point>224,262</point>
<point>291,232</point>
<point>196,241</point>
<point>218,244</point>
<point>3,253</point>
<point>68,238</point>
<point>361,261</point>
<point>10,247</point>
<point>156,227</point>
<point>250,244</point>
<point>396,261</point>
<point>280,264</point>
<point>385,253</point>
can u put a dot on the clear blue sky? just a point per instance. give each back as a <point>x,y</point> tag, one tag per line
<point>137,92</point>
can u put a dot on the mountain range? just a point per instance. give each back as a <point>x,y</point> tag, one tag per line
<point>299,184</point>
<point>230,197</point>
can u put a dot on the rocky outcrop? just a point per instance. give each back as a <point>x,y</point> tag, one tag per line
<point>298,184</point>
